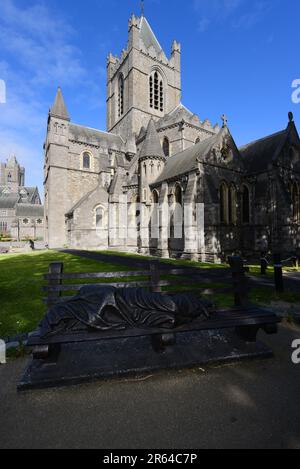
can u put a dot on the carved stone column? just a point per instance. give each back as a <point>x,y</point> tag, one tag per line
<point>190,220</point>
<point>163,247</point>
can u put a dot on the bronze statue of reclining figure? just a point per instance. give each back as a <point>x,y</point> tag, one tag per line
<point>108,308</point>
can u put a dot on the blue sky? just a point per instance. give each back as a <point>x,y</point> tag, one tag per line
<point>238,56</point>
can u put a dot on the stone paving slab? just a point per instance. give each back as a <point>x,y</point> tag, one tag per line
<point>248,405</point>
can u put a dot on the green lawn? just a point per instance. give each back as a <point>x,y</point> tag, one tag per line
<point>21,281</point>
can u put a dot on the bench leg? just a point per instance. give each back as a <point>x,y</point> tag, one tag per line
<point>49,353</point>
<point>160,342</point>
<point>247,333</point>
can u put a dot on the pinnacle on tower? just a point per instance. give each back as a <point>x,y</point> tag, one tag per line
<point>59,108</point>
<point>152,146</point>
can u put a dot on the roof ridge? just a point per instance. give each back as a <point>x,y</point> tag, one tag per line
<point>275,134</point>
<point>85,197</point>
<point>97,130</point>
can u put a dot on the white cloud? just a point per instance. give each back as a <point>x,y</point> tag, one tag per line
<point>37,54</point>
<point>203,25</point>
<point>236,13</point>
<point>40,44</point>
<point>217,7</point>
<point>252,17</point>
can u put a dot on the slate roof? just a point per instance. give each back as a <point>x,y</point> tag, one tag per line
<point>94,136</point>
<point>148,37</point>
<point>10,199</point>
<point>186,161</point>
<point>182,113</point>
<point>260,154</point>
<point>30,192</point>
<point>151,145</point>
<point>176,115</point>
<point>83,199</point>
<point>29,210</point>
<point>59,108</point>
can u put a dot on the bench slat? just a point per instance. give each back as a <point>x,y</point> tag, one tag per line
<point>122,274</point>
<point>71,287</point>
<point>144,273</point>
<point>258,318</point>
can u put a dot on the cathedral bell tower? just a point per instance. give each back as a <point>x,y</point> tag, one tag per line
<point>56,172</point>
<point>142,83</point>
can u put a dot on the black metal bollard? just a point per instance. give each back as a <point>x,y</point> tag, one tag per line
<point>240,281</point>
<point>278,277</point>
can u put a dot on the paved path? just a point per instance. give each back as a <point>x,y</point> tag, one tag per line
<point>248,405</point>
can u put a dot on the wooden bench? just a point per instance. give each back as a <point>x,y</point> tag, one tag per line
<point>245,319</point>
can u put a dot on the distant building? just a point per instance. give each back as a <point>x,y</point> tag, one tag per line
<point>157,153</point>
<point>21,210</point>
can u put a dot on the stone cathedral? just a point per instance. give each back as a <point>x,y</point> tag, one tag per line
<point>184,186</point>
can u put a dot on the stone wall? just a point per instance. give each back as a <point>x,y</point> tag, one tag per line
<point>135,66</point>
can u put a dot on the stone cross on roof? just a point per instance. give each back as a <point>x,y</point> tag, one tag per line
<point>143,7</point>
<point>225,120</point>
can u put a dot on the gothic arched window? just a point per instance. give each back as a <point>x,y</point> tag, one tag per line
<point>232,201</point>
<point>99,215</point>
<point>154,220</point>
<point>151,91</point>
<point>197,140</point>
<point>9,177</point>
<point>156,89</point>
<point>121,96</point>
<point>155,197</point>
<point>166,146</point>
<point>86,160</point>
<point>178,195</point>
<point>3,227</point>
<point>224,203</point>
<point>245,205</point>
<point>295,202</point>
<point>178,214</point>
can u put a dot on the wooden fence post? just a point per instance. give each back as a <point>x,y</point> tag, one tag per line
<point>55,273</point>
<point>240,281</point>
<point>297,256</point>
<point>155,277</point>
<point>160,342</point>
<point>278,277</point>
